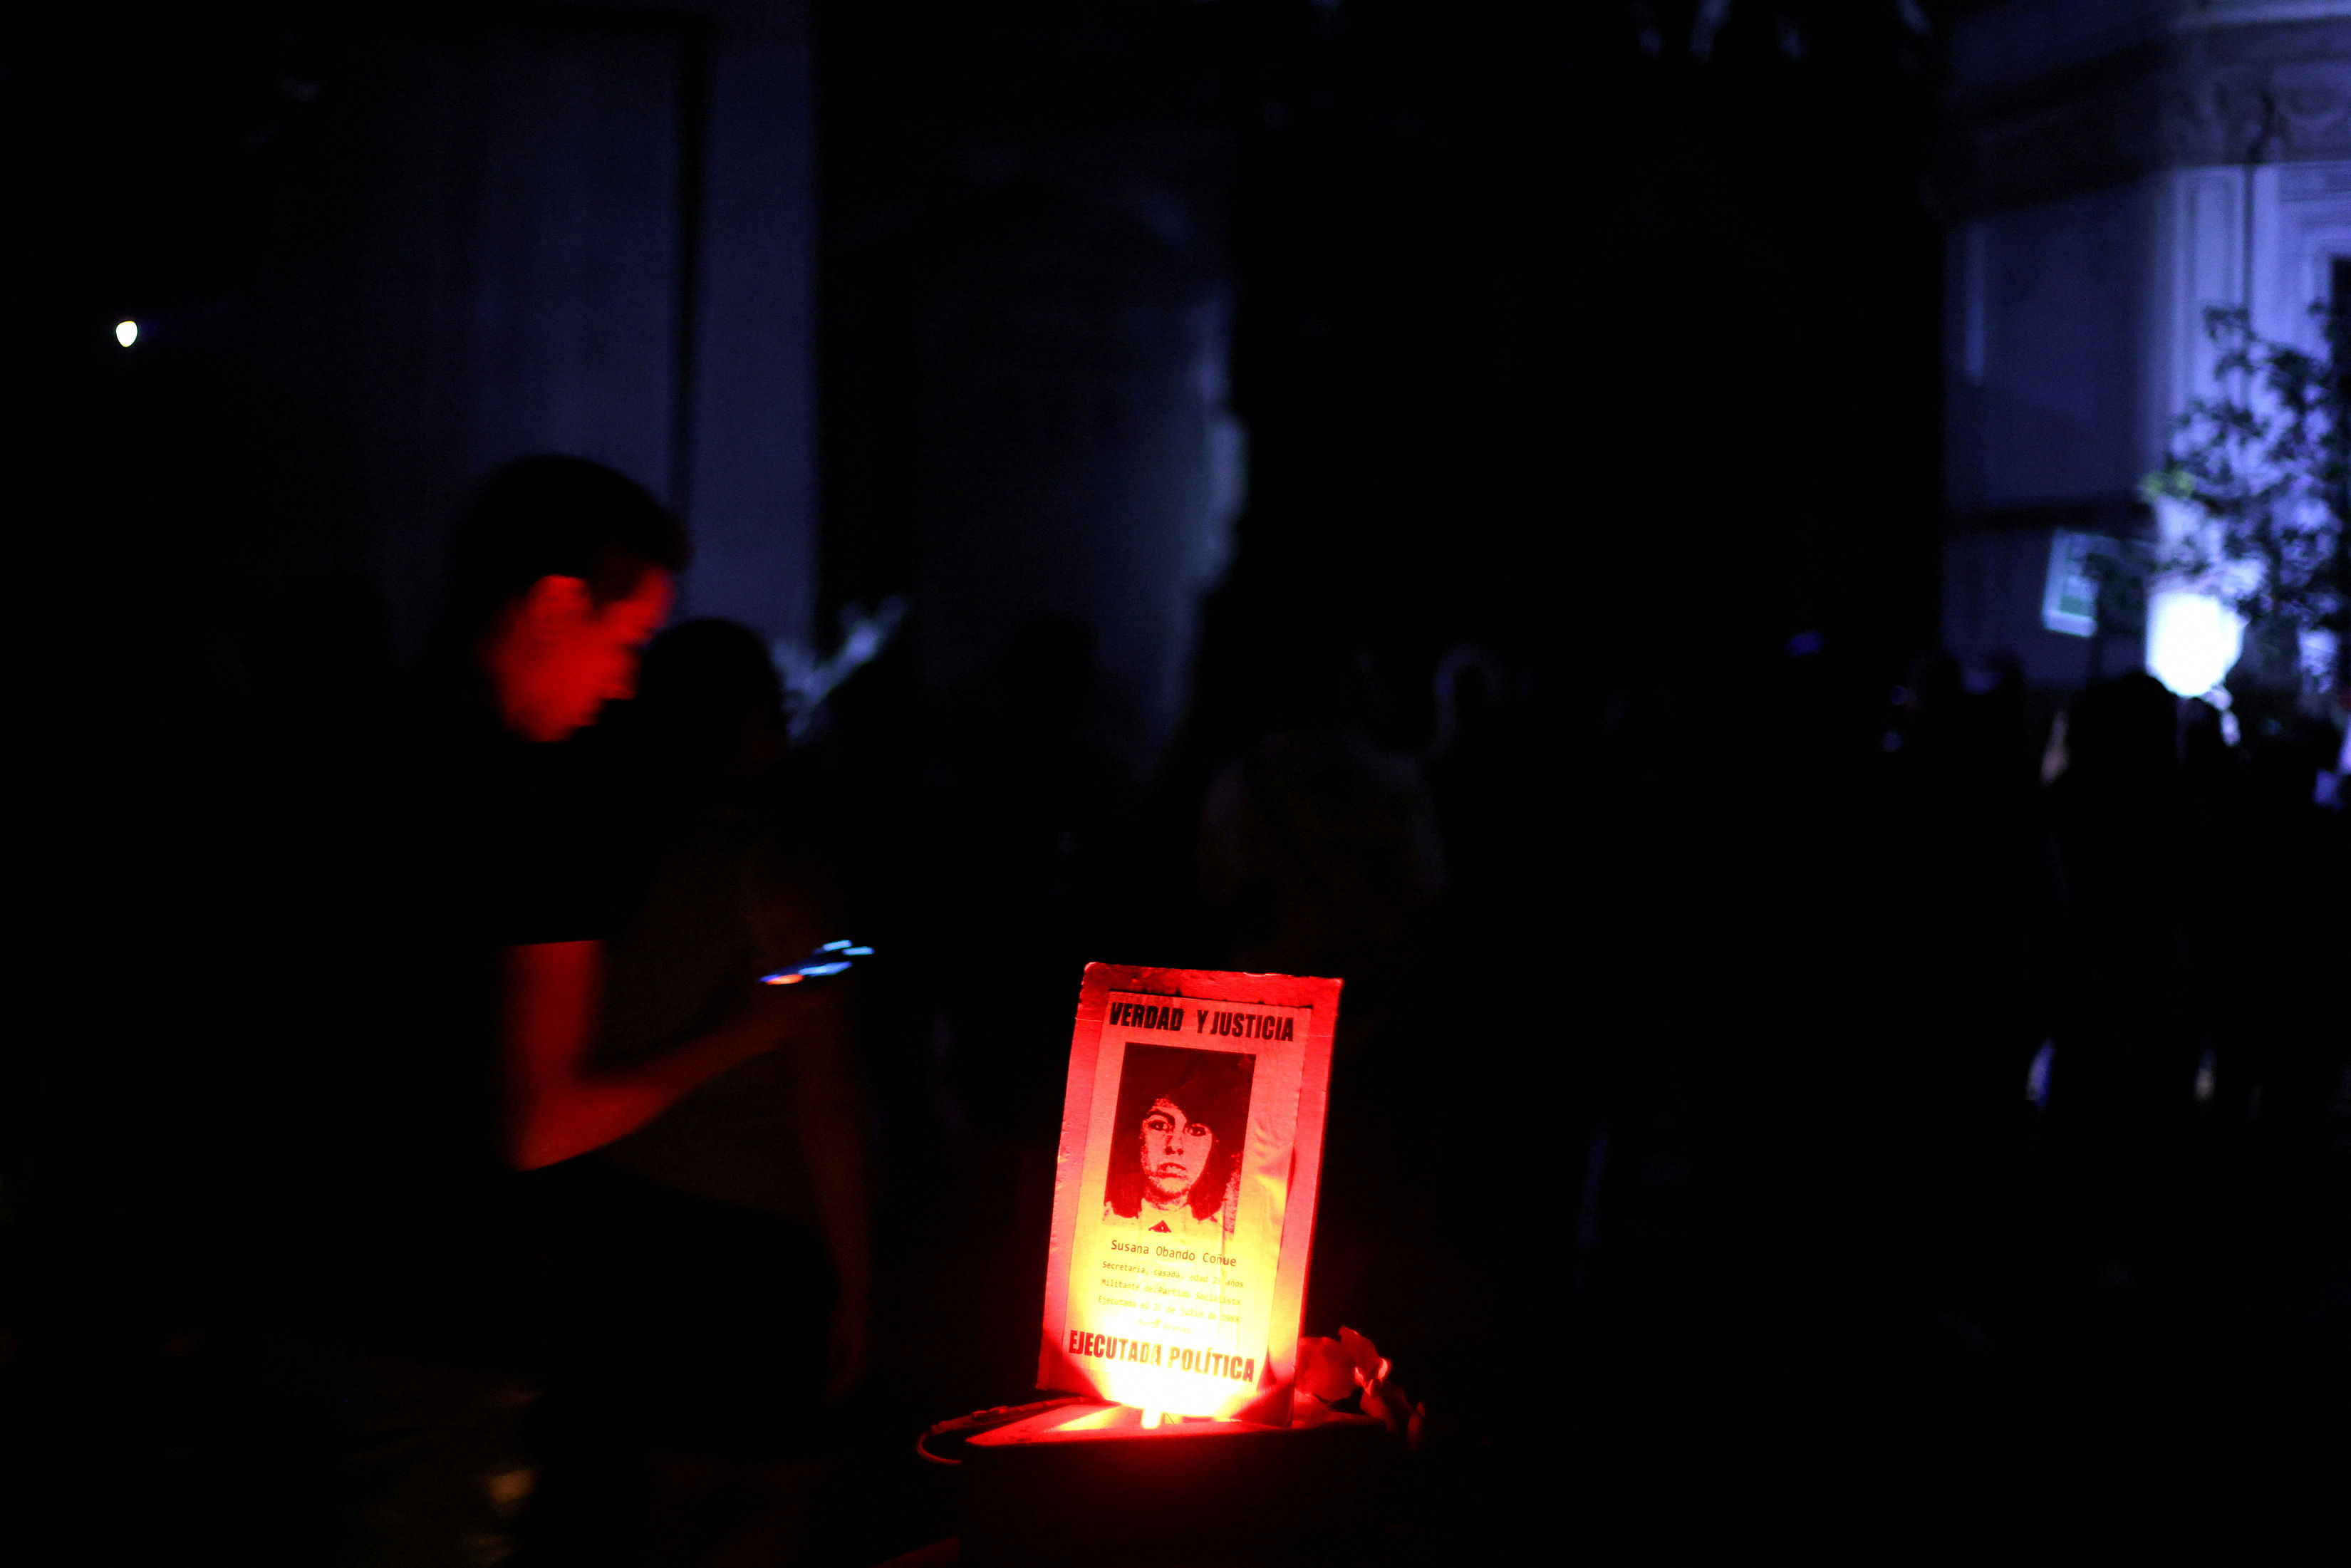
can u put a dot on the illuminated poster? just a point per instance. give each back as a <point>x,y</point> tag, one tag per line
<point>1183,1197</point>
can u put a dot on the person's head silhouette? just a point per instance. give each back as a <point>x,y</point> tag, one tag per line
<point>558,575</point>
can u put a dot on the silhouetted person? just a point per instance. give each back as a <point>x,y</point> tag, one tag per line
<point>2137,861</point>
<point>508,868</point>
<point>1032,828</point>
<point>2294,923</point>
<point>1318,843</point>
<point>713,1268</point>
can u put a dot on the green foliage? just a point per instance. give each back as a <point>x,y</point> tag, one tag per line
<point>2268,465</point>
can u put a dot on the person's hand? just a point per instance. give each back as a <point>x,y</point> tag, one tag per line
<point>844,1366</point>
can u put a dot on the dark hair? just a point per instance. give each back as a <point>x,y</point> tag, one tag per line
<point>699,683</point>
<point>554,517</point>
<point>2127,728</point>
<point>1210,1087</point>
<point>709,669</point>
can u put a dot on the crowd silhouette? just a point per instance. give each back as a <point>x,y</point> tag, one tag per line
<point>1848,1058</point>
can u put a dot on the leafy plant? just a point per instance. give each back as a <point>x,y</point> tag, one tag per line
<point>2267,464</point>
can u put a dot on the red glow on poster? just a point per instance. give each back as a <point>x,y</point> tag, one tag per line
<point>1183,1197</point>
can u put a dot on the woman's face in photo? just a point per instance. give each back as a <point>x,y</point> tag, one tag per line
<point>1174,1153</point>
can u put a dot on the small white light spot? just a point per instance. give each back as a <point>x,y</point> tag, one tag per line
<point>125,332</point>
<point>2193,640</point>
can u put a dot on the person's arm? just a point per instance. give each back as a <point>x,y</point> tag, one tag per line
<point>794,907</point>
<point>557,1104</point>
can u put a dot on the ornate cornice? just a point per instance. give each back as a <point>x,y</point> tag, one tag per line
<point>2275,92</point>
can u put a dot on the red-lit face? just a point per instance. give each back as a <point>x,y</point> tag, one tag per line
<point>556,657</point>
<point>1174,1151</point>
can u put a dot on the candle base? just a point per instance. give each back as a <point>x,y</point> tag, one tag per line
<point>1087,1483</point>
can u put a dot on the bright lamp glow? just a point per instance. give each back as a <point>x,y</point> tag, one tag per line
<point>125,332</point>
<point>2192,640</point>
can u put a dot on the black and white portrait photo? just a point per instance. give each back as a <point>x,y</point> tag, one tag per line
<point>1182,1119</point>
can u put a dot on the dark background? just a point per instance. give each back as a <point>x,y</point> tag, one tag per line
<point>1676,1152</point>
